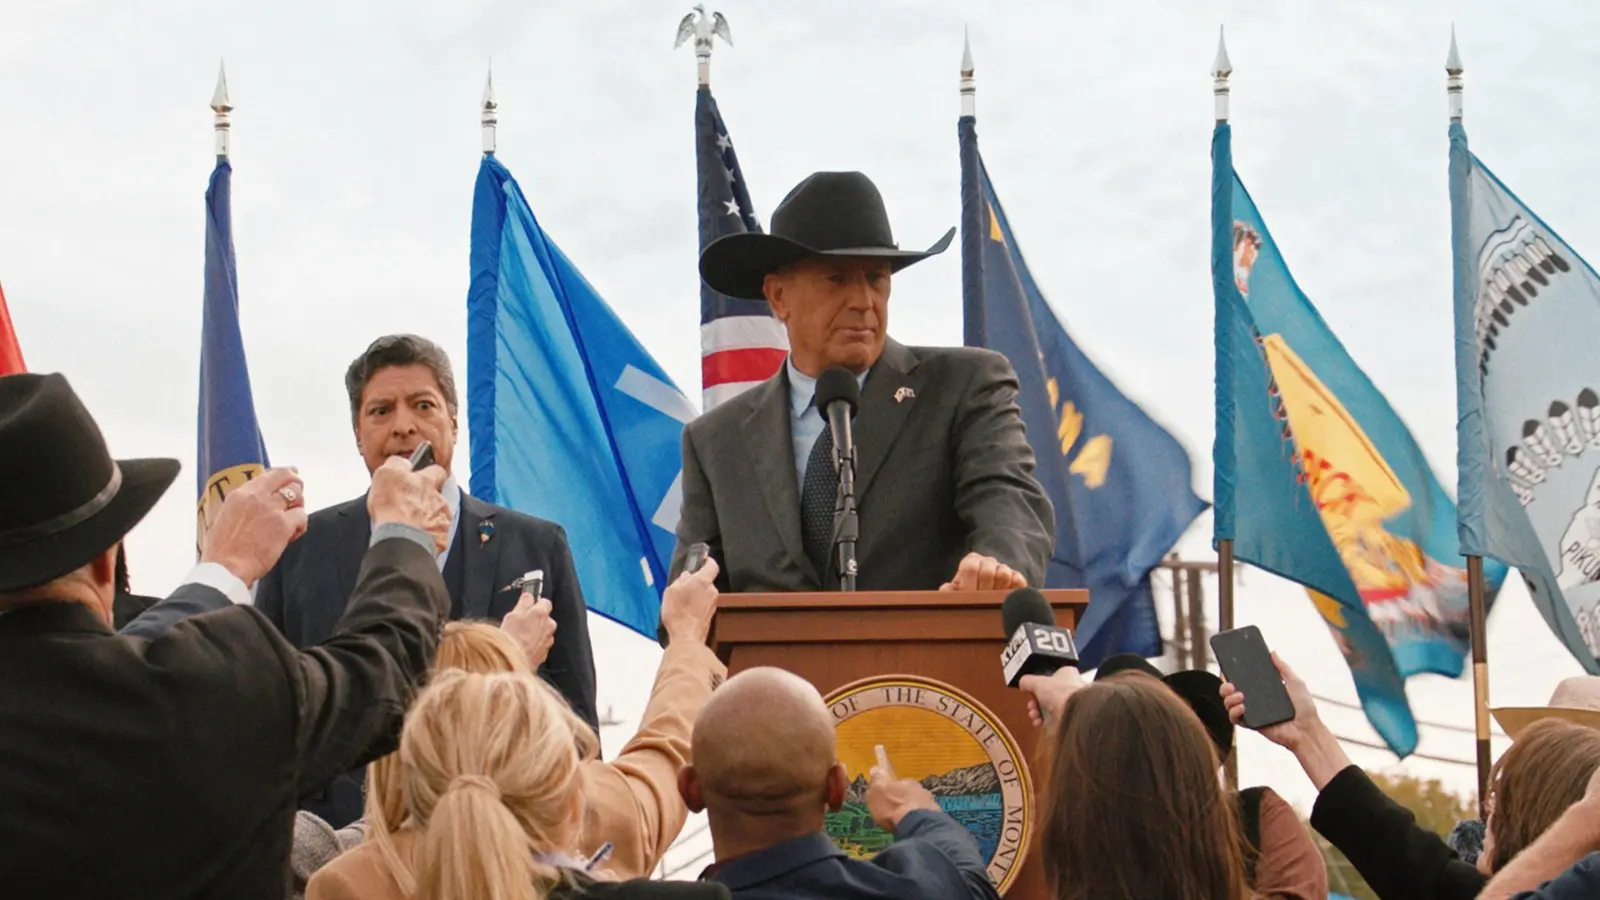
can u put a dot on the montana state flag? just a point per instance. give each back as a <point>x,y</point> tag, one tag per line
<point>1119,482</point>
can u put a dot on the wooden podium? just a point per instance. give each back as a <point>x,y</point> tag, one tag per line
<point>836,639</point>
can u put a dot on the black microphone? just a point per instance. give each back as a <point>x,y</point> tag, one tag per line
<point>1037,646</point>
<point>837,396</point>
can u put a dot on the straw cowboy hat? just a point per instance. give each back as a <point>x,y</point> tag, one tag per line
<point>67,501</point>
<point>828,214</point>
<point>1575,699</point>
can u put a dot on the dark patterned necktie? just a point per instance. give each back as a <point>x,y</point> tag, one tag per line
<point>818,496</point>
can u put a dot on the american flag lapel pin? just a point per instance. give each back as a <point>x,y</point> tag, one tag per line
<point>903,394</point>
<point>485,531</point>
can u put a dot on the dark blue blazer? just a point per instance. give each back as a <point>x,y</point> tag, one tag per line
<point>305,596</point>
<point>932,856</point>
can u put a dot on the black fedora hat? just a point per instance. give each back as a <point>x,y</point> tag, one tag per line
<point>828,214</point>
<point>1200,689</point>
<point>67,501</point>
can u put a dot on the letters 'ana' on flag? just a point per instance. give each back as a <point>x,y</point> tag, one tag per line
<point>10,351</point>
<point>570,419</point>
<point>741,342</point>
<point>1527,310</point>
<point>1101,458</point>
<point>1319,481</point>
<point>231,450</point>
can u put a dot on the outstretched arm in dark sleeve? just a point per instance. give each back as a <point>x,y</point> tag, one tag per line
<point>1007,514</point>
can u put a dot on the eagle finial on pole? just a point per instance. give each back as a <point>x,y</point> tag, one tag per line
<point>703,28</point>
<point>220,105</point>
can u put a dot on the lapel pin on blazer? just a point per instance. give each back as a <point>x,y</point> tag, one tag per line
<point>485,531</point>
<point>903,394</point>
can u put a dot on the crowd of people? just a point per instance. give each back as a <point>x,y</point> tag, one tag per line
<point>182,755</point>
<point>359,703</point>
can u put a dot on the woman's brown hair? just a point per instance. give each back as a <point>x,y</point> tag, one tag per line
<point>1134,807</point>
<point>1546,770</point>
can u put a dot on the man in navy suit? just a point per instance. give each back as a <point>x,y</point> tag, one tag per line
<point>402,392</point>
<point>766,772</point>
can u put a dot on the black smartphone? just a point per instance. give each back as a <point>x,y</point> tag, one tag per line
<point>693,560</point>
<point>698,554</point>
<point>422,457</point>
<point>1247,664</point>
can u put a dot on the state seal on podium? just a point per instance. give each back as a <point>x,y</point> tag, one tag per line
<point>957,749</point>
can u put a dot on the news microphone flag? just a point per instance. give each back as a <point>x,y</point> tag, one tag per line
<point>741,342</point>
<point>1317,478</point>
<point>231,450</point>
<point>1119,482</point>
<point>569,418</point>
<point>10,351</point>
<point>1527,308</point>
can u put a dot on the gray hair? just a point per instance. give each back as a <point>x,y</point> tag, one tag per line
<point>399,350</point>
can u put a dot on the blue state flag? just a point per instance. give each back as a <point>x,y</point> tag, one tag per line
<point>230,450</point>
<point>1120,483</point>
<point>1527,311</point>
<point>1317,478</point>
<point>570,419</point>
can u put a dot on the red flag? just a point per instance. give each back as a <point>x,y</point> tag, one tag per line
<point>10,352</point>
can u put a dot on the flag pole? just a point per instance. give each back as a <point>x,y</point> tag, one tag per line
<point>222,126</point>
<point>1477,605</point>
<point>1220,70</point>
<point>489,114</point>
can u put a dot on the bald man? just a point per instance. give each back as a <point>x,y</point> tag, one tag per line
<point>766,772</point>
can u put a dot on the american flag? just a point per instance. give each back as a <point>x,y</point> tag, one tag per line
<point>741,344</point>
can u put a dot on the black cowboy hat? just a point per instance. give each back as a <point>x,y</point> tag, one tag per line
<point>1200,689</point>
<point>828,214</point>
<point>67,501</point>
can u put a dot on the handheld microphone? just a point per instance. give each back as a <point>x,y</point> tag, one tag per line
<point>1037,646</point>
<point>837,396</point>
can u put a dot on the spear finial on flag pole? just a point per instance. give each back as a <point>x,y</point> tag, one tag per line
<point>1452,84</point>
<point>490,117</point>
<point>969,86</point>
<point>703,28</point>
<point>1220,70</point>
<point>221,106</point>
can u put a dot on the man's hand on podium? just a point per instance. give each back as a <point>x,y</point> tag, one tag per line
<point>1050,693</point>
<point>890,801</point>
<point>984,573</point>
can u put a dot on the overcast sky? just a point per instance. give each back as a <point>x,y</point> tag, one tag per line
<point>356,144</point>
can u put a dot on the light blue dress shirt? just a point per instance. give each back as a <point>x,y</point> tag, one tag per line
<point>805,420</point>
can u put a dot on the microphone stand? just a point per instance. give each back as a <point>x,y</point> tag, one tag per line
<point>846,524</point>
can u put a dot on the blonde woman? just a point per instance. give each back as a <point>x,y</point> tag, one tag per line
<point>491,770</point>
<point>631,802</point>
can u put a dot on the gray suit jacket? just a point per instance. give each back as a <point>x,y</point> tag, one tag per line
<point>941,471</point>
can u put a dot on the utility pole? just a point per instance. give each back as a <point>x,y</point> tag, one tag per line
<point>1190,636</point>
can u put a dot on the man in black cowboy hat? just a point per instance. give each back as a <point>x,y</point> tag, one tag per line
<point>944,474</point>
<point>170,766</point>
